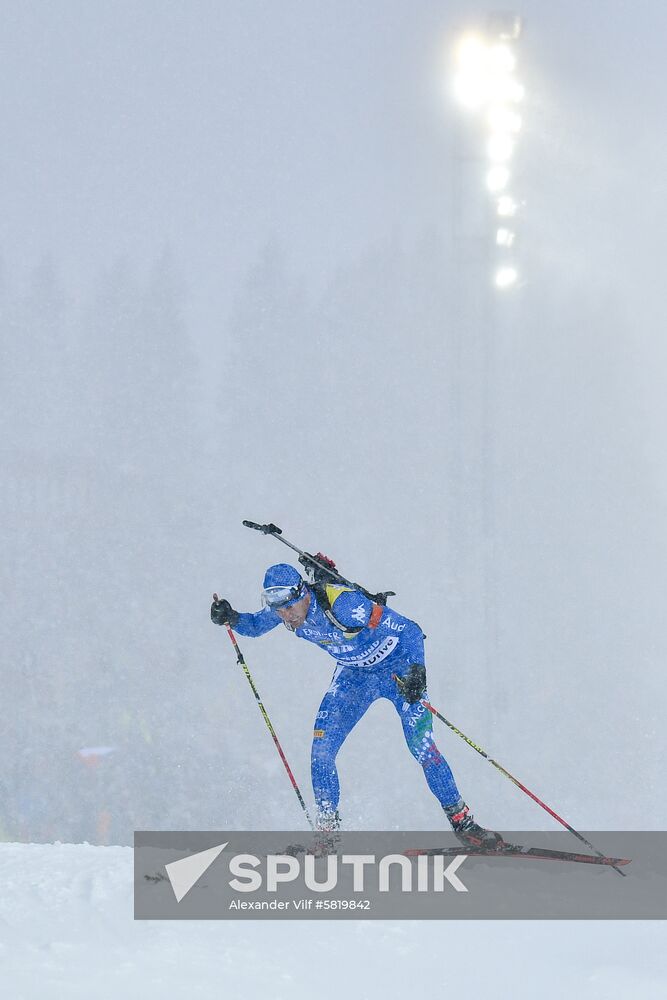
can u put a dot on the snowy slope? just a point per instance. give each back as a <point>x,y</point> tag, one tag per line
<point>67,932</point>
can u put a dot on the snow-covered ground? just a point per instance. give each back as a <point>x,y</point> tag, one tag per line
<point>67,932</point>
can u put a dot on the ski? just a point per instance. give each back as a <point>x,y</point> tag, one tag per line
<point>507,851</point>
<point>517,851</point>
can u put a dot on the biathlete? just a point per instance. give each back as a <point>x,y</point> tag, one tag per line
<point>371,643</point>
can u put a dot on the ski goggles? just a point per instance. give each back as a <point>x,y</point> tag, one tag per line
<point>282,597</point>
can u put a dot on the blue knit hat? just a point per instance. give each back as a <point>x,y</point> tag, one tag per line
<point>284,576</point>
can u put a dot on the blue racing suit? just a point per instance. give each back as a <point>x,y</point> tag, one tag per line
<point>372,643</point>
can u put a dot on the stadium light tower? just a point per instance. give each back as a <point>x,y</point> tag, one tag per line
<point>487,87</point>
<point>486,208</point>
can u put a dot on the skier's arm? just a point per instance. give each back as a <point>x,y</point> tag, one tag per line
<point>257,623</point>
<point>412,643</point>
<point>253,624</point>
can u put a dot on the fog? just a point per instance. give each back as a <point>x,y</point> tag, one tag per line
<point>237,283</point>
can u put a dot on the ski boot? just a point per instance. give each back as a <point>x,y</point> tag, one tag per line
<point>327,837</point>
<point>469,833</point>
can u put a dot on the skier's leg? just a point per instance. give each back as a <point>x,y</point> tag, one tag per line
<point>350,694</point>
<point>417,724</point>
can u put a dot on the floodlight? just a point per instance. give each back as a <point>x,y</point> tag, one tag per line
<point>471,91</point>
<point>502,119</point>
<point>505,277</point>
<point>502,59</point>
<point>497,178</point>
<point>485,82</point>
<point>504,237</point>
<point>506,206</point>
<point>471,85</point>
<point>500,148</point>
<point>472,54</point>
<point>511,90</point>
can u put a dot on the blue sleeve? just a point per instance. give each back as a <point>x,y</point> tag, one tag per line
<point>412,644</point>
<point>257,623</point>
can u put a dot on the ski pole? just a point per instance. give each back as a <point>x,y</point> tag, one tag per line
<point>507,774</point>
<point>314,562</point>
<point>242,662</point>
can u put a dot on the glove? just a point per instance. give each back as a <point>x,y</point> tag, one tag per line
<point>222,613</point>
<point>414,683</point>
